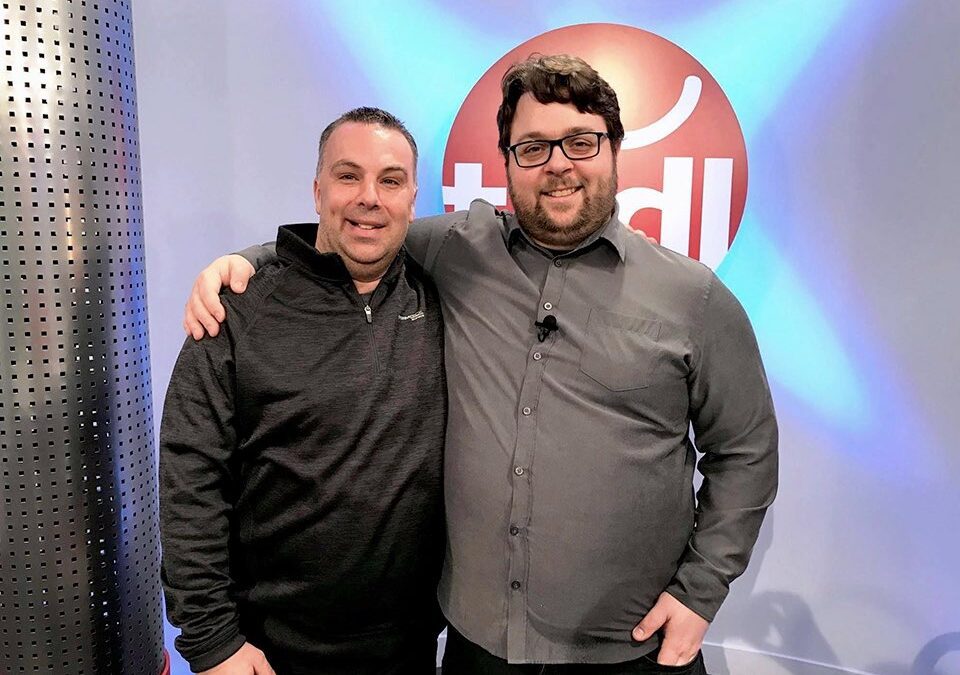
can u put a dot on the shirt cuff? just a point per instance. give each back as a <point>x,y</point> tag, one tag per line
<point>258,256</point>
<point>216,654</point>
<point>699,590</point>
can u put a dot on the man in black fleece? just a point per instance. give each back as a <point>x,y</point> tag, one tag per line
<point>300,449</point>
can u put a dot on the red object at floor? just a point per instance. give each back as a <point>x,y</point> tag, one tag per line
<point>166,663</point>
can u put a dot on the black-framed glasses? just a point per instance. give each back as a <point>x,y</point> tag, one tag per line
<point>584,145</point>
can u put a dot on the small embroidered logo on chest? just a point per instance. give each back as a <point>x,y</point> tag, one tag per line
<point>412,317</point>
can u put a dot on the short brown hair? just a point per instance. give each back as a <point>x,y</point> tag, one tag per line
<point>558,78</point>
<point>367,115</point>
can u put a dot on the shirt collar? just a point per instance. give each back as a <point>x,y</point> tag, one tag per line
<point>297,244</point>
<point>611,232</point>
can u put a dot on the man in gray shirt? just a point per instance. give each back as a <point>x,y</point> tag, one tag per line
<point>578,356</point>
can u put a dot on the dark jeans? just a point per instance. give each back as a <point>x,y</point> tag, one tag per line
<point>462,657</point>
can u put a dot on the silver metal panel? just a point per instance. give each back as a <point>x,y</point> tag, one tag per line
<point>79,544</point>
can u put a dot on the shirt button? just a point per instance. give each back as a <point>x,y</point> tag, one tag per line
<point>537,356</point>
<point>514,530</point>
<point>557,263</point>
<point>548,306</point>
<point>527,411</point>
<point>515,585</point>
<point>518,470</point>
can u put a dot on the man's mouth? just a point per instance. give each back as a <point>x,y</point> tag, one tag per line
<point>365,226</point>
<point>562,192</point>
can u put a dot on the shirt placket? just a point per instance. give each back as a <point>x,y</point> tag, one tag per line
<point>523,473</point>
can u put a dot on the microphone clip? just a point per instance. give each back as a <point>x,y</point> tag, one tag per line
<point>545,327</point>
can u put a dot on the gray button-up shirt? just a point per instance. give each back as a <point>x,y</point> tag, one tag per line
<point>569,468</point>
<point>569,463</point>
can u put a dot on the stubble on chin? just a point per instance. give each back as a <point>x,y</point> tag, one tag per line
<point>591,216</point>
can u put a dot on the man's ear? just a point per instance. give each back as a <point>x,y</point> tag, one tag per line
<point>316,196</point>
<point>413,203</point>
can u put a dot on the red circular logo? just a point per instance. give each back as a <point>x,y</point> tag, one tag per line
<point>682,166</point>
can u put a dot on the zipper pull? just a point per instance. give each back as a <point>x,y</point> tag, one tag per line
<point>369,313</point>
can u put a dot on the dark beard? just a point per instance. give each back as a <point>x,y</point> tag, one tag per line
<point>593,214</point>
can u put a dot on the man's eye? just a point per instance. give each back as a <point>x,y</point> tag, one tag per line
<point>532,149</point>
<point>393,182</point>
<point>347,177</point>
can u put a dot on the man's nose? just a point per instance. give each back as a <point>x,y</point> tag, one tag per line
<point>558,163</point>
<point>369,195</point>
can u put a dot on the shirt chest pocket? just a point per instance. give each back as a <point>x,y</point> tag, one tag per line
<point>620,352</point>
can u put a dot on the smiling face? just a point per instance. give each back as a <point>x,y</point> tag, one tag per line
<point>562,202</point>
<point>364,193</point>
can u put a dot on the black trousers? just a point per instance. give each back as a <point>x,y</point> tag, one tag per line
<point>462,657</point>
<point>301,647</point>
<point>369,655</point>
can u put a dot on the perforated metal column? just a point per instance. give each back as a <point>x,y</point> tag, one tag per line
<point>79,545</point>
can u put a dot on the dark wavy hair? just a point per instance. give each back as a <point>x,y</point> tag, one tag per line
<point>559,78</point>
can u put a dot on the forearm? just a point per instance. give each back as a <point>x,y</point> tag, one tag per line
<point>735,427</point>
<point>738,487</point>
<point>196,501</point>
<point>422,241</point>
<point>194,525</point>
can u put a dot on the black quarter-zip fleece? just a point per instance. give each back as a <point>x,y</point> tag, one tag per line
<point>300,463</point>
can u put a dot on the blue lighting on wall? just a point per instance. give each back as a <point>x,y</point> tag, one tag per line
<point>801,350</point>
<point>756,50</point>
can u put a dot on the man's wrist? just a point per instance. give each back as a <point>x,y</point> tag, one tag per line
<point>258,255</point>
<point>212,656</point>
<point>700,593</point>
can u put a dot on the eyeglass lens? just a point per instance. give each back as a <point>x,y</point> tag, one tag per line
<point>578,146</point>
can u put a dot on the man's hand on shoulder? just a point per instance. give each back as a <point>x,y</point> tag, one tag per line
<point>204,312</point>
<point>683,630</point>
<point>248,660</point>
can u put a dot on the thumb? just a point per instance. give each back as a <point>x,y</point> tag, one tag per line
<point>650,624</point>
<point>239,271</point>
